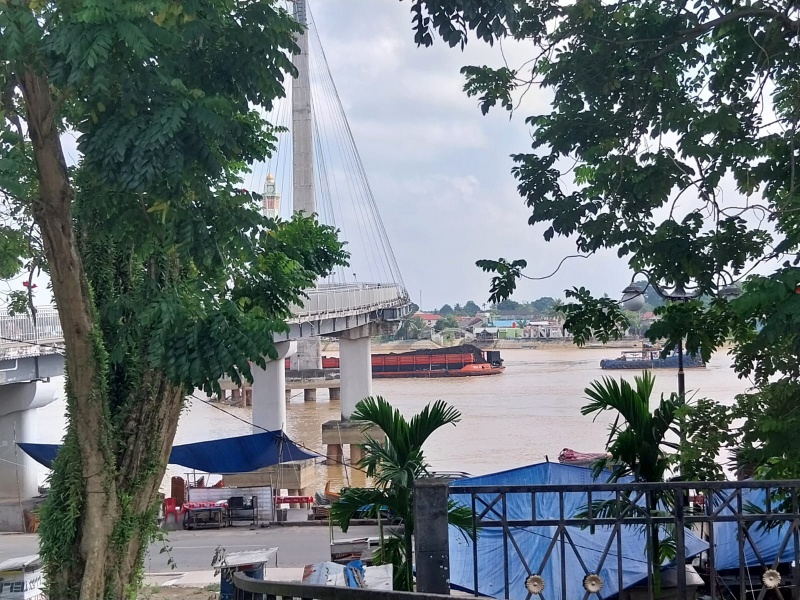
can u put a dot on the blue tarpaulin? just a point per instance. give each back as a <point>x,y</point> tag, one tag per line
<point>768,542</point>
<point>531,544</point>
<point>228,455</point>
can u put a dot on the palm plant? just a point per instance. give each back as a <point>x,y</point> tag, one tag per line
<point>639,449</point>
<point>393,466</point>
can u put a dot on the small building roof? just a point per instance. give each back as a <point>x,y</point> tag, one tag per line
<point>504,323</point>
<point>427,316</point>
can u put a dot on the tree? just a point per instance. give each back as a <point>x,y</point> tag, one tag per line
<point>165,275</point>
<point>639,449</point>
<point>556,309</point>
<point>542,305</point>
<point>394,466</point>
<point>471,308</point>
<point>651,297</point>
<point>411,328</point>
<point>446,310</point>
<point>459,310</point>
<point>656,107</point>
<point>507,304</point>
<point>447,322</point>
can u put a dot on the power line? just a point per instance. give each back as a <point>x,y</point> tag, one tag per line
<point>211,404</point>
<point>8,339</point>
<point>280,437</point>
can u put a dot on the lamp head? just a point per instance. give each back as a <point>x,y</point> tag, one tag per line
<point>632,298</point>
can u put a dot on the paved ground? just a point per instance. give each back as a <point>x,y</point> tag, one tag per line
<point>193,550</point>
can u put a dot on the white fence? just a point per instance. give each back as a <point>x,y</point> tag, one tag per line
<point>20,329</point>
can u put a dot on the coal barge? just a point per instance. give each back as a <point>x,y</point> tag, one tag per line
<point>457,361</point>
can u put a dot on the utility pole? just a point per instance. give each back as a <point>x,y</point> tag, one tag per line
<point>308,354</point>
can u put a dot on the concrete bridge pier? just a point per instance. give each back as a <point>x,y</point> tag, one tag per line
<point>19,481</point>
<point>355,369</point>
<point>269,391</point>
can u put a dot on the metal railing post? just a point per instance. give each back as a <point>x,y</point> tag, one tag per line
<point>680,544</point>
<point>432,545</point>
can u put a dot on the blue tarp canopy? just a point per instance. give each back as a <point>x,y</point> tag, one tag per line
<point>768,542</point>
<point>531,544</point>
<point>228,455</point>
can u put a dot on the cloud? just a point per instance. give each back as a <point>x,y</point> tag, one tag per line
<point>440,171</point>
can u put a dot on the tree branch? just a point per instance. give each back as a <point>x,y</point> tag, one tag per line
<point>51,114</point>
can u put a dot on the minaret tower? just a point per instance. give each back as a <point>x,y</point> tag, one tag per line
<point>271,199</point>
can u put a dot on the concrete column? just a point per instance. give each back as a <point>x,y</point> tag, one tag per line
<point>308,351</point>
<point>288,393</point>
<point>432,545</point>
<point>269,391</point>
<point>355,368</point>
<point>310,395</point>
<point>334,393</point>
<point>356,454</point>
<point>334,454</point>
<point>18,423</point>
<point>302,141</point>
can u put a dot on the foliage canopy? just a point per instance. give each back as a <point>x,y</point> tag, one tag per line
<point>165,274</point>
<point>657,107</point>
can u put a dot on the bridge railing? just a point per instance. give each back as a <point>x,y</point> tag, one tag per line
<point>22,329</point>
<point>589,536</point>
<point>344,300</point>
<point>325,300</point>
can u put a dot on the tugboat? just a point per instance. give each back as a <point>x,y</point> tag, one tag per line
<point>649,357</point>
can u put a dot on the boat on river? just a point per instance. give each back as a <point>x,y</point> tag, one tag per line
<point>456,361</point>
<point>649,357</point>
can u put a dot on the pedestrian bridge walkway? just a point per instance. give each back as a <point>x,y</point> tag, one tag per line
<point>328,309</point>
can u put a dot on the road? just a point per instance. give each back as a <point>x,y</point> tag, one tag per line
<point>193,550</point>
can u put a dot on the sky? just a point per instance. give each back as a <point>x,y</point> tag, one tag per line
<point>439,170</point>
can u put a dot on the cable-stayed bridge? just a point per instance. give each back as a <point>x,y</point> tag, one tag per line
<point>316,168</point>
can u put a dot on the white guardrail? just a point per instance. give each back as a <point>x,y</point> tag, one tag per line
<point>342,300</point>
<point>19,329</point>
<point>325,301</point>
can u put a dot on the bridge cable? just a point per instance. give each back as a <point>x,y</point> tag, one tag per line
<point>356,207</point>
<point>372,205</point>
<point>349,158</point>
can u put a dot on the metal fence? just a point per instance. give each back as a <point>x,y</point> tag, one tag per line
<point>595,540</point>
<point>349,299</point>
<point>21,329</point>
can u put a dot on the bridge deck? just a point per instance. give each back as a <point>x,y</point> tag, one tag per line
<point>327,309</point>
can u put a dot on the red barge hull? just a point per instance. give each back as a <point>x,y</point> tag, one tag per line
<point>459,361</point>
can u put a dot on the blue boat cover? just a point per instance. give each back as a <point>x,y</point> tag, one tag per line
<point>768,542</point>
<point>240,454</point>
<point>533,542</point>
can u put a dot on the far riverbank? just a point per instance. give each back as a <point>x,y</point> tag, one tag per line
<point>381,347</point>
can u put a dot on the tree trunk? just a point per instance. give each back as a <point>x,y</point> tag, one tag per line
<point>86,361</point>
<point>101,511</point>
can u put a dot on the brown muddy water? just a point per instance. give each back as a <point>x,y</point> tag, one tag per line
<point>528,413</point>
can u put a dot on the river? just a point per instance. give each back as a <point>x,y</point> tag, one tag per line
<point>528,413</point>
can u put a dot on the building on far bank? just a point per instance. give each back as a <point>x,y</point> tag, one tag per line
<point>429,318</point>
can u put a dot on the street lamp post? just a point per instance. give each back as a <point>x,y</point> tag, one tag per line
<point>633,299</point>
